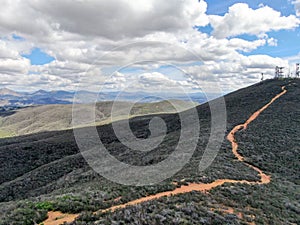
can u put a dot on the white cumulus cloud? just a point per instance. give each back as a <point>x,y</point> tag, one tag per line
<point>241,19</point>
<point>297,6</point>
<point>91,39</point>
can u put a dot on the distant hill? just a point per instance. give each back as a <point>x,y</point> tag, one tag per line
<point>45,172</point>
<point>35,119</point>
<point>10,98</point>
<point>8,92</point>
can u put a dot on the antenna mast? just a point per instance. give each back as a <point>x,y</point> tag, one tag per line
<point>279,72</point>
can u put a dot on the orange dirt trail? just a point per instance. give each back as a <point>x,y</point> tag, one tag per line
<point>264,178</point>
<point>56,218</point>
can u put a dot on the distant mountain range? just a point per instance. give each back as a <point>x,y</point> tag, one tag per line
<point>10,98</point>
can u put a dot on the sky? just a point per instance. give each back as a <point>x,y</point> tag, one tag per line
<point>146,45</point>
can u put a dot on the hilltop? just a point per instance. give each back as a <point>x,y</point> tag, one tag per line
<point>45,171</point>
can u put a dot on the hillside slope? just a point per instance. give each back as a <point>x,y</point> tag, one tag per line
<point>59,117</point>
<point>46,171</point>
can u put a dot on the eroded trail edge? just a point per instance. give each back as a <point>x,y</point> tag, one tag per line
<point>264,178</point>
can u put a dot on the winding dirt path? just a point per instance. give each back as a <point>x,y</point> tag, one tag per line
<point>56,218</point>
<point>264,178</point>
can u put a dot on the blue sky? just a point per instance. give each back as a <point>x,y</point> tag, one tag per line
<point>221,7</point>
<point>288,40</point>
<point>38,57</point>
<point>288,44</point>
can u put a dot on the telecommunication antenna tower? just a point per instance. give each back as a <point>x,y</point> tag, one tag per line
<point>279,72</point>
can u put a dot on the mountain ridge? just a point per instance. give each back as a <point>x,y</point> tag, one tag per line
<point>47,171</point>
<point>10,98</point>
